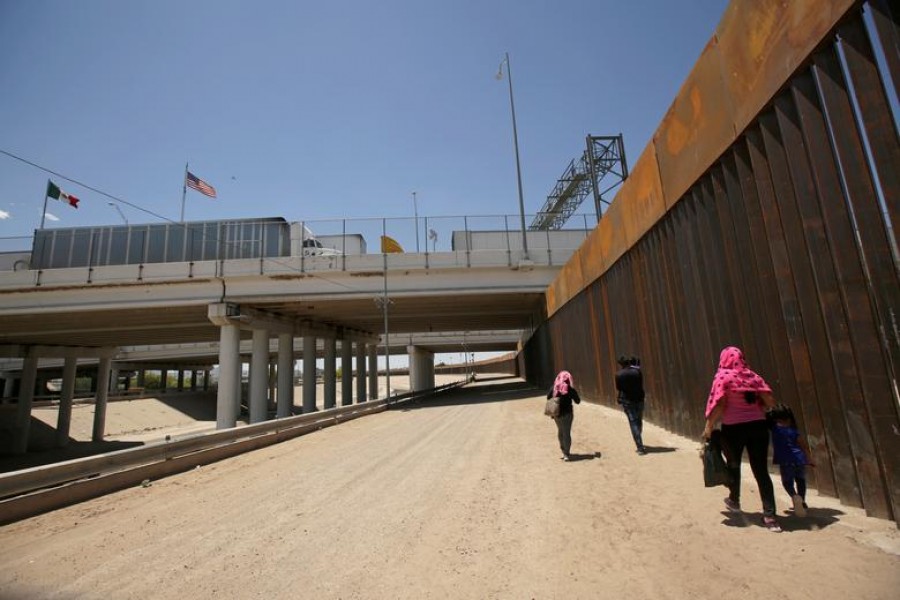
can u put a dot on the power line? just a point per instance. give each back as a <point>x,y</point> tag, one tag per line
<point>269,259</point>
<point>84,185</point>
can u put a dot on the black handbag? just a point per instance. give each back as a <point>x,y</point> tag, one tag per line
<point>715,469</point>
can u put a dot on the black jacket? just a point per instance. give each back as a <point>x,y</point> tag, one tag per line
<point>630,384</point>
<point>565,401</point>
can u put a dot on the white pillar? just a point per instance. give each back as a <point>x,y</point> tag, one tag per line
<point>421,369</point>
<point>329,373</point>
<point>346,372</point>
<point>23,410</point>
<point>100,400</point>
<point>229,392</point>
<point>64,416</point>
<point>373,371</point>
<point>285,392</point>
<point>259,375</point>
<point>115,382</point>
<point>360,372</point>
<point>309,374</point>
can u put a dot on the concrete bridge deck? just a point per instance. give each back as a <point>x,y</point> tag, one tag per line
<point>460,497</point>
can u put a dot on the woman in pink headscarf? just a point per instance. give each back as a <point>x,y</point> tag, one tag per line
<point>564,389</point>
<point>738,399</point>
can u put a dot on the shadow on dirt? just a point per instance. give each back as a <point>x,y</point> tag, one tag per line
<point>481,392</point>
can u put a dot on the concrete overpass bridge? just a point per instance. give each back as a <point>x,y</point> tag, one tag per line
<point>191,315</point>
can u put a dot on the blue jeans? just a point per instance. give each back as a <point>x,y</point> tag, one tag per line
<point>635,413</point>
<point>791,474</point>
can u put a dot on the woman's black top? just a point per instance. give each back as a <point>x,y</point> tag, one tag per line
<point>565,401</point>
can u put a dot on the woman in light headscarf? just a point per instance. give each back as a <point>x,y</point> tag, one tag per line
<point>564,389</point>
<point>738,399</point>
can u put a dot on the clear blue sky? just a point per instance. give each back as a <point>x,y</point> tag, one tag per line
<point>313,110</point>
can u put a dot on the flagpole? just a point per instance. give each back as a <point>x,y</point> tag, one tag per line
<point>44,214</point>
<point>184,191</point>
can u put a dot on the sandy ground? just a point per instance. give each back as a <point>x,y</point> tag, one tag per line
<point>462,497</point>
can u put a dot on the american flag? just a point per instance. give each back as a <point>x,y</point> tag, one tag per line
<point>201,186</point>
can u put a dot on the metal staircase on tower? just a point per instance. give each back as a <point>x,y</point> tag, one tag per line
<point>601,168</point>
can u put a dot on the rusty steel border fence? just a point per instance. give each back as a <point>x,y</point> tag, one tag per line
<point>782,245</point>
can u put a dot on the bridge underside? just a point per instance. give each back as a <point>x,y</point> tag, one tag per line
<point>190,324</point>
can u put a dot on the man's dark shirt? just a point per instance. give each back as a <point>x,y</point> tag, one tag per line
<point>630,384</point>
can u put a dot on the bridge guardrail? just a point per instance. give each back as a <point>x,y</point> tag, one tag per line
<point>39,489</point>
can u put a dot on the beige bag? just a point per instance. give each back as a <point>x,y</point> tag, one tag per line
<point>551,409</point>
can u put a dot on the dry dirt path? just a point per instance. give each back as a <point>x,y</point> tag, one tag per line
<point>461,498</point>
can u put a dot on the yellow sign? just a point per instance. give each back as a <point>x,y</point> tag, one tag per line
<point>389,245</point>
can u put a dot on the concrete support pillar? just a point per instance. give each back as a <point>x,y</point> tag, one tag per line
<point>103,385</point>
<point>373,371</point>
<point>361,372</point>
<point>180,384</point>
<point>329,373</point>
<point>8,383</point>
<point>23,410</point>
<point>206,380</point>
<point>163,380</point>
<point>259,375</point>
<point>421,369</point>
<point>346,372</point>
<point>229,392</point>
<point>64,417</point>
<point>113,383</point>
<point>140,378</point>
<point>193,380</point>
<point>285,391</point>
<point>309,374</point>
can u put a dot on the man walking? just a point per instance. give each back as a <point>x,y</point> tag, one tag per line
<point>630,385</point>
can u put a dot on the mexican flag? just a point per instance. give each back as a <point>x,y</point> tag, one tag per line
<point>54,192</point>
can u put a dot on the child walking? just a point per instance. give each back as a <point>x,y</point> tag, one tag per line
<point>791,454</point>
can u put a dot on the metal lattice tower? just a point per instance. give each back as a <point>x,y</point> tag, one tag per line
<point>602,164</point>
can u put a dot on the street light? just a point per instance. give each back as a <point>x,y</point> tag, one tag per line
<point>118,210</point>
<point>416,212</point>
<point>512,108</point>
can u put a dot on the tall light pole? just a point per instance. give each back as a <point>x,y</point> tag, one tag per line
<point>416,212</point>
<point>512,108</point>
<point>118,210</point>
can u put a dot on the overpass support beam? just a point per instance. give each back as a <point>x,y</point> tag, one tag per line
<point>421,368</point>
<point>360,372</point>
<point>23,410</point>
<point>346,372</point>
<point>373,371</point>
<point>228,396</point>
<point>259,375</point>
<point>285,391</point>
<point>309,374</point>
<point>329,373</point>
<point>64,416</point>
<point>103,385</point>
<point>114,384</point>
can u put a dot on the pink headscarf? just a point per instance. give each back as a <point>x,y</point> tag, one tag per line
<point>563,383</point>
<point>733,376</point>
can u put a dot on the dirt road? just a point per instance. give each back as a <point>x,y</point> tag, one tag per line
<point>461,498</point>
